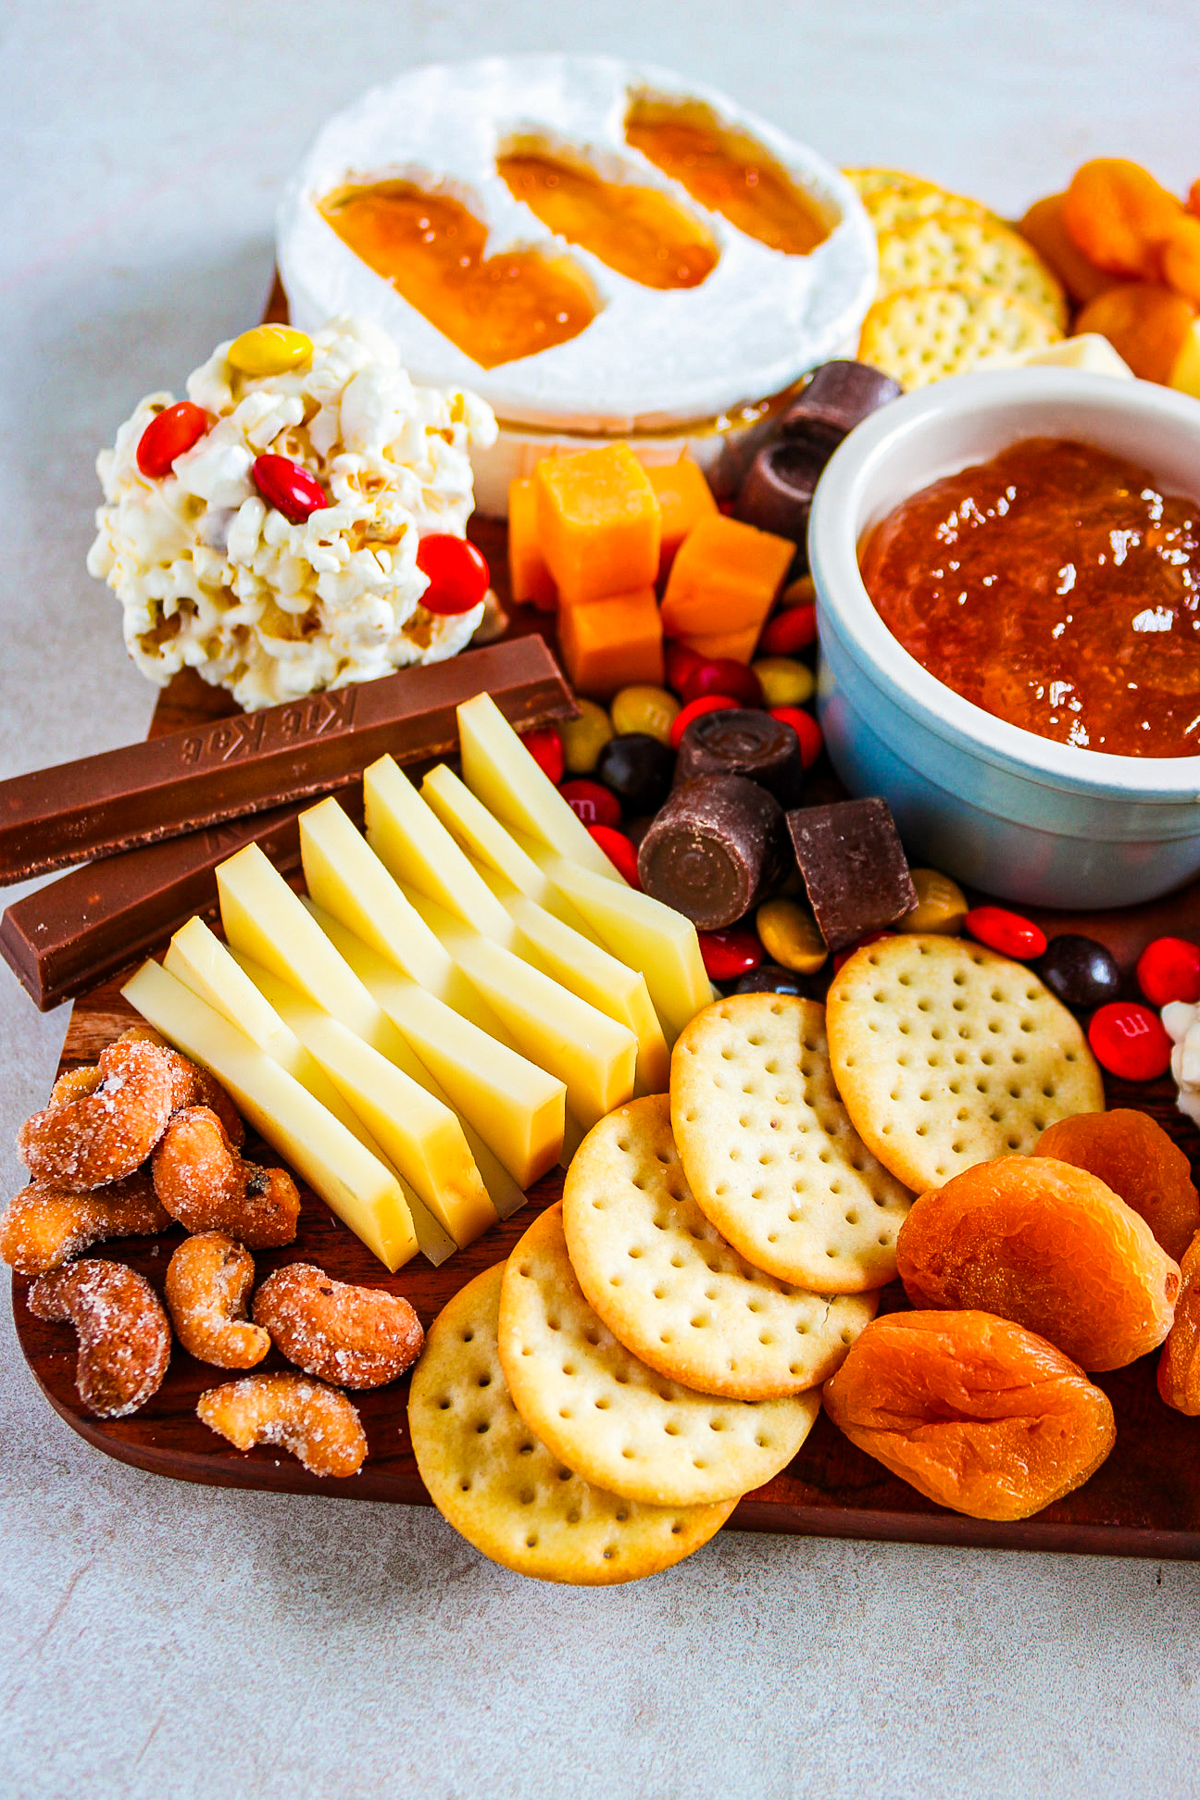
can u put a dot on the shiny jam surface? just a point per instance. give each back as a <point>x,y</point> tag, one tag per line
<point>433,251</point>
<point>1057,587</point>
<point>729,172</point>
<point>637,231</point>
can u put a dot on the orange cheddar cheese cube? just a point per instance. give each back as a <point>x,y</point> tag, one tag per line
<point>685,498</point>
<point>724,578</point>
<point>532,582</point>
<point>611,644</point>
<point>599,523</point>
<point>732,646</point>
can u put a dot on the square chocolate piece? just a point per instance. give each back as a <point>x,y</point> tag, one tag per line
<point>854,868</point>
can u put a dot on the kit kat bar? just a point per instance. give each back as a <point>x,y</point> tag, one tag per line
<point>249,763</point>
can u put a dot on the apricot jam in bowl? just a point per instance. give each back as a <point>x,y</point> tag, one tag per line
<point>1007,568</point>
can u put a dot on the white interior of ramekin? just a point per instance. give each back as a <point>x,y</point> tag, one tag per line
<point>938,430</point>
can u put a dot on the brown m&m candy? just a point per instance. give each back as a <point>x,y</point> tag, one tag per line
<point>713,850</point>
<point>743,741</point>
<point>854,868</point>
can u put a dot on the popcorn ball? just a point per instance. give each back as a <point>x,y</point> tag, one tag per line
<point>213,574</point>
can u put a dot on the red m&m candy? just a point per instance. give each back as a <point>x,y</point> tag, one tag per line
<point>693,709</point>
<point>1006,932</point>
<point>723,676</point>
<point>679,661</point>
<point>805,728</point>
<point>546,748</point>
<point>619,851</point>
<point>288,487</point>
<point>730,953</point>
<point>168,435</point>
<point>1169,969</point>
<point>795,628</point>
<point>458,573</point>
<point>594,804</point>
<point>1128,1040</point>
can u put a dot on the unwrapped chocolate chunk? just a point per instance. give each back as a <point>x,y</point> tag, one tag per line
<point>854,868</point>
<point>742,740</point>
<point>713,850</point>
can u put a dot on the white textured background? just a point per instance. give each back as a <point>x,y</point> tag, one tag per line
<point>157,1639</point>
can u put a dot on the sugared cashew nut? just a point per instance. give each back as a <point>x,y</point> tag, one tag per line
<point>205,1184</point>
<point>45,1224</point>
<point>208,1279</point>
<point>356,1336</point>
<point>101,1124</point>
<point>124,1338</point>
<point>316,1423</point>
<point>190,1084</point>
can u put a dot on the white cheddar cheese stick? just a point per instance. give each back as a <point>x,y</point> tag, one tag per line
<point>498,768</point>
<point>352,1182</point>
<point>642,932</point>
<point>267,922</point>
<point>422,1137</point>
<point>550,936</point>
<point>413,844</point>
<point>517,1104</point>
<point>202,963</point>
<point>594,1055</point>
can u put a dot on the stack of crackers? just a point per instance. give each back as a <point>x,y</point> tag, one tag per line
<point>591,1410</point>
<point>957,286</point>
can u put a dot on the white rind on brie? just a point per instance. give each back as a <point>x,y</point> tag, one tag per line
<point>651,359</point>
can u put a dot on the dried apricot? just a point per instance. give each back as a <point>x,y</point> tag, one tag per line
<point>1133,1155</point>
<point>1181,258</point>
<point>1045,228</point>
<point>1146,324</point>
<point>1048,1246</point>
<point>1179,1364</point>
<point>975,1412</point>
<point>1119,216</point>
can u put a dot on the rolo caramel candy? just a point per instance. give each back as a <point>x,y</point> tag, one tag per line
<point>777,493</point>
<point>743,741</point>
<point>715,847</point>
<point>840,396</point>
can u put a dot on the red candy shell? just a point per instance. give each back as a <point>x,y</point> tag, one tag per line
<point>288,487</point>
<point>1129,1041</point>
<point>723,676</point>
<point>458,573</point>
<point>594,804</point>
<point>872,937</point>
<point>795,628</point>
<point>169,434</point>
<point>680,660</point>
<point>805,728</point>
<point>693,710</point>
<point>1169,969</point>
<point>619,851</point>
<point>728,954</point>
<point>546,748</point>
<point>1006,932</point>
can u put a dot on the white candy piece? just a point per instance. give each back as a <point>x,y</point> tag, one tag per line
<point>1182,1025</point>
<point>211,578</point>
<point>650,359</point>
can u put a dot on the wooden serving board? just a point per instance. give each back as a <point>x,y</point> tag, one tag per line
<point>1144,1501</point>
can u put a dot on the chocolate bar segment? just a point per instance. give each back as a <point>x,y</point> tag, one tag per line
<point>854,868</point>
<point>252,762</point>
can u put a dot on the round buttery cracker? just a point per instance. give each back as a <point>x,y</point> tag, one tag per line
<point>918,335</point>
<point>937,250</point>
<point>617,1422</point>
<point>497,1484</point>
<point>892,197</point>
<point>948,1055</point>
<point>672,1290</point>
<point>770,1153</point>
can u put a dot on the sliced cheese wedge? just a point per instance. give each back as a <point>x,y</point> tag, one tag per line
<point>354,1184</point>
<point>197,958</point>
<point>413,844</point>
<point>498,768</point>
<point>423,1137</point>
<point>640,931</point>
<point>591,1053</point>
<point>514,1104</point>
<point>266,921</point>
<point>489,844</point>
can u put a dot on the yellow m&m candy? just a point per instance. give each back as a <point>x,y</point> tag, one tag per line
<point>269,350</point>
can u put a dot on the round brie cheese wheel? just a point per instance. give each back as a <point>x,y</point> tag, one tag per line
<point>651,359</point>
